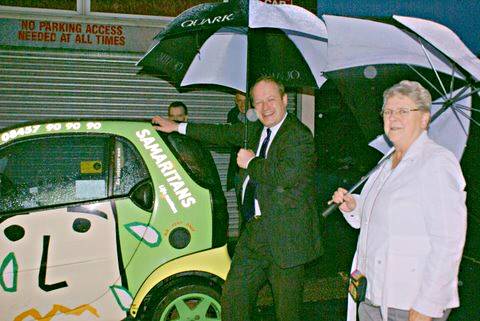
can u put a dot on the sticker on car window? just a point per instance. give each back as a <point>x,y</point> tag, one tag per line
<point>91,167</point>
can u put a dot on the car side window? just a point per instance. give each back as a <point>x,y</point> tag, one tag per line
<point>53,170</point>
<point>129,168</point>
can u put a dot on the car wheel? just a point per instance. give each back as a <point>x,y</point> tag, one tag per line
<point>189,300</point>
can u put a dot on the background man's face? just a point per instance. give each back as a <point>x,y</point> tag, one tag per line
<point>240,101</point>
<point>269,104</point>
<point>177,114</point>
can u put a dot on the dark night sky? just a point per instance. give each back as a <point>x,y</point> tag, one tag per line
<point>462,17</point>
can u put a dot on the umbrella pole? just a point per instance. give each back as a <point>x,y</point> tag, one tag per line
<point>247,87</point>
<point>334,206</point>
<point>245,118</point>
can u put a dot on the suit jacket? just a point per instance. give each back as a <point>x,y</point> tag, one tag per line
<point>285,191</point>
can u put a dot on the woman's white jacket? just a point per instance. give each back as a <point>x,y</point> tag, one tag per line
<point>415,223</point>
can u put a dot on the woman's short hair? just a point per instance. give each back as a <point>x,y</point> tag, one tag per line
<point>413,90</point>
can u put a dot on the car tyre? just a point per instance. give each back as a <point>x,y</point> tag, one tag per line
<point>188,300</point>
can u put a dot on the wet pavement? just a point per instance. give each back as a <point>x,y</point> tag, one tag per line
<point>326,283</point>
<point>325,298</point>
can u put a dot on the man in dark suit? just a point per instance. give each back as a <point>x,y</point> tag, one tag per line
<point>278,193</point>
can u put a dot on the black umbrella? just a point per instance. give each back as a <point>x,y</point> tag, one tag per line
<point>232,44</point>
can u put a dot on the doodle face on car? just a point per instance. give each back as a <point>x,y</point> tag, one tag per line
<point>61,262</point>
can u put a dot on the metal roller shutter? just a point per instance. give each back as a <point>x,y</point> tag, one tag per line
<point>49,83</point>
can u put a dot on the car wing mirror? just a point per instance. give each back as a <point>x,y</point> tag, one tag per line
<point>142,195</point>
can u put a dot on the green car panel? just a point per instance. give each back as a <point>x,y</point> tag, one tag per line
<point>140,239</point>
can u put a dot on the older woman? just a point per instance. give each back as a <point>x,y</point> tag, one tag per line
<point>412,218</point>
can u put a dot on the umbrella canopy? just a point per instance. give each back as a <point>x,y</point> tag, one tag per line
<point>446,41</point>
<point>232,44</point>
<point>366,57</point>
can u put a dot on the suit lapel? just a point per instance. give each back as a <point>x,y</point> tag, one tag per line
<point>279,139</point>
<point>255,134</point>
<point>254,141</point>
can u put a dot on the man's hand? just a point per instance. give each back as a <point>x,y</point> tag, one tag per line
<point>164,125</point>
<point>244,156</point>
<point>417,316</point>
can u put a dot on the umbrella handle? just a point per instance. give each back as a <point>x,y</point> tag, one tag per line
<point>245,133</point>
<point>330,209</point>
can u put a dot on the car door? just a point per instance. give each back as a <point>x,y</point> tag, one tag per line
<point>60,250</point>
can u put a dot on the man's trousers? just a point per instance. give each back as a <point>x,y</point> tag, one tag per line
<point>252,266</point>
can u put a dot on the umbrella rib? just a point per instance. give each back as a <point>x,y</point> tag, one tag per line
<point>455,112</point>
<point>466,107</point>
<point>469,94</point>
<point>433,67</point>
<point>452,99</point>
<point>452,80</point>
<point>438,113</point>
<point>468,117</point>
<point>425,79</point>
<point>458,95</point>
